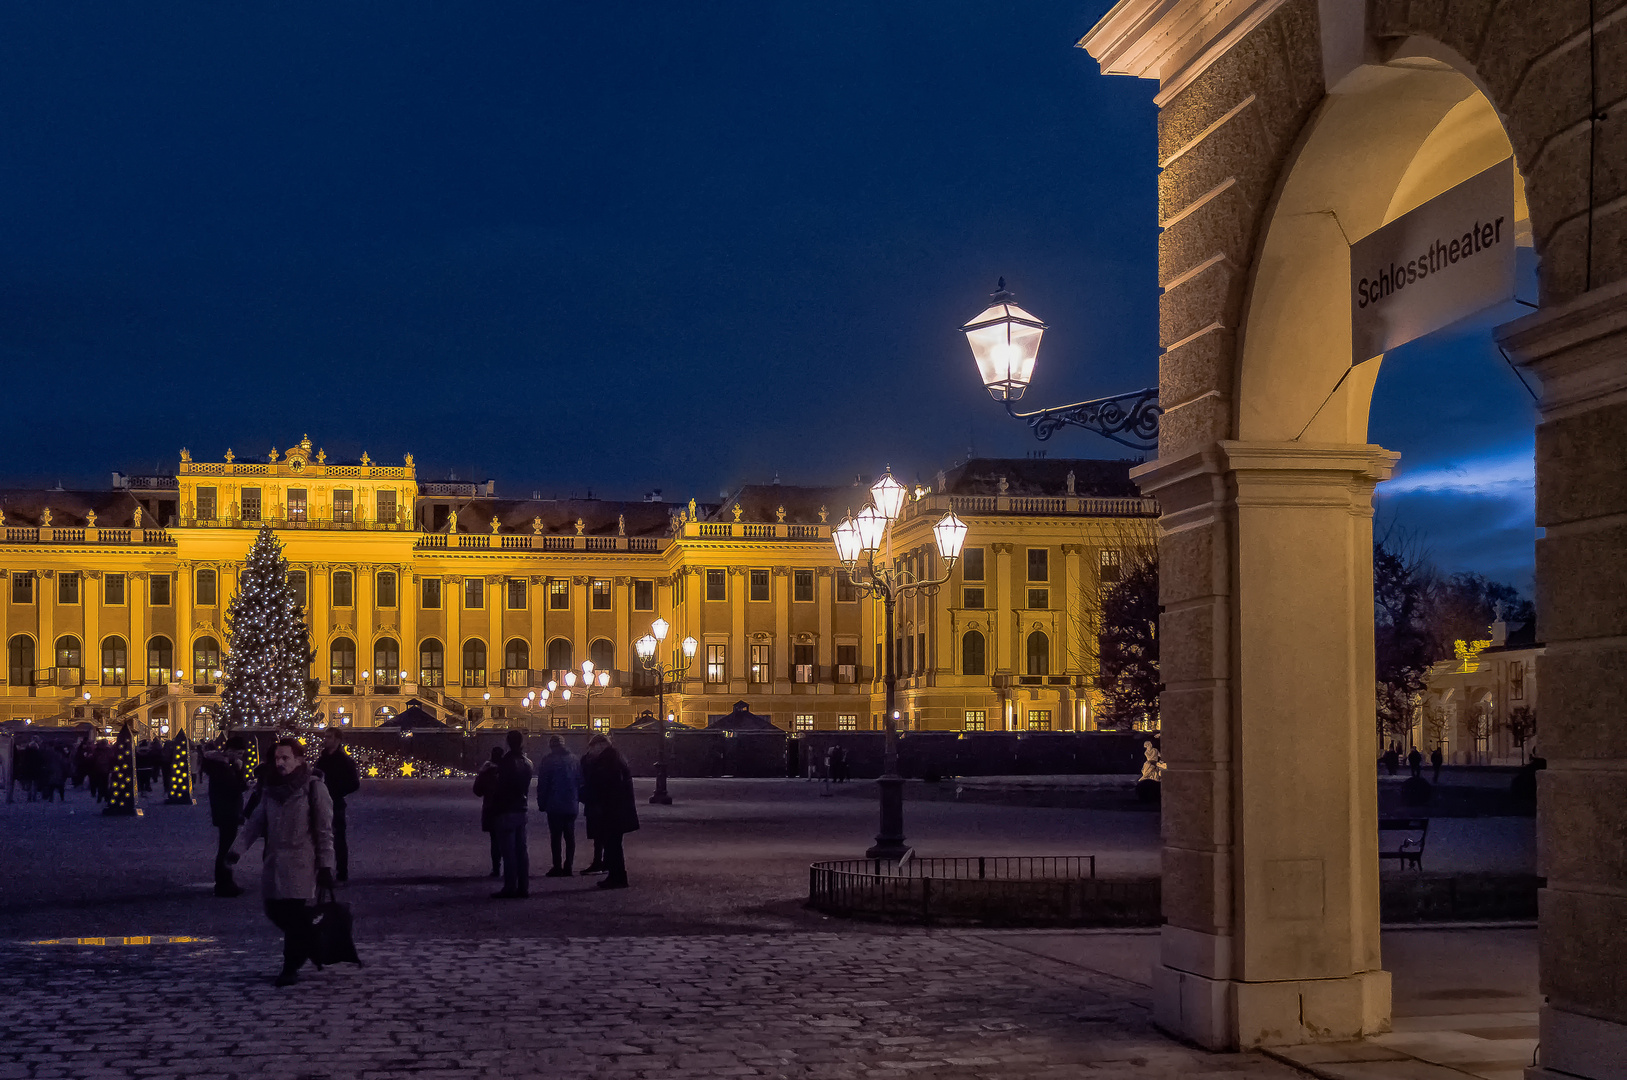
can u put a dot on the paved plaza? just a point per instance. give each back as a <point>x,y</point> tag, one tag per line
<point>708,966</point>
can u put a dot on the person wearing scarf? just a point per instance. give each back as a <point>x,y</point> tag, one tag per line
<point>295,817</point>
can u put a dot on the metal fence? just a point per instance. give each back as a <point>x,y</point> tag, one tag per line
<point>1048,890</point>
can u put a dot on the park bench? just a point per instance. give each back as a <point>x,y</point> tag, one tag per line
<point>1410,848</point>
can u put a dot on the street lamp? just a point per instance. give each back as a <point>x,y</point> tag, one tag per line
<point>648,649</point>
<point>592,683</point>
<point>859,540</point>
<point>1005,344</point>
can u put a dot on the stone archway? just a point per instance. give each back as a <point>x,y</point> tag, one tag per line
<point>1287,128</point>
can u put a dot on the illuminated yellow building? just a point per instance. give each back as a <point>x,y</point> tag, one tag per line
<point>441,591</point>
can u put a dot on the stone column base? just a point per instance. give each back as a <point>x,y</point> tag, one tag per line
<point>1224,1014</point>
<point>1574,1046</point>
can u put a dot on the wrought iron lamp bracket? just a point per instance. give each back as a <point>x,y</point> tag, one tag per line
<point>1128,419</point>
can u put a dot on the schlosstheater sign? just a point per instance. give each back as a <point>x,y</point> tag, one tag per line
<point>1436,264</point>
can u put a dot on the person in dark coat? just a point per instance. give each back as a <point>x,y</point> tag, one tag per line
<point>101,769</point>
<point>514,774</point>
<point>51,773</point>
<point>559,787</point>
<point>26,767</point>
<point>608,792</point>
<point>1415,762</point>
<point>338,770</point>
<point>590,817</point>
<point>228,780</point>
<point>486,788</point>
<point>1436,760</point>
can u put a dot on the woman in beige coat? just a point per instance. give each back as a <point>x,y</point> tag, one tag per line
<point>295,816</point>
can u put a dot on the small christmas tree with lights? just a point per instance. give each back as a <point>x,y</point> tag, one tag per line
<point>121,783</point>
<point>251,760</point>
<point>178,785</point>
<point>268,661</point>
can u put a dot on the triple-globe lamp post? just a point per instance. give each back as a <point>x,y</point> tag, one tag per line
<point>864,544</point>
<point>648,648</point>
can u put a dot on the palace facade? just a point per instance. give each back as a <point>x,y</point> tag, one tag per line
<point>444,593</point>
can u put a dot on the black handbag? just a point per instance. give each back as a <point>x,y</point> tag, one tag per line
<point>331,941</point>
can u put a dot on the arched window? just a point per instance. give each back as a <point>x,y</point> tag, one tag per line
<point>160,660</point>
<point>517,655</point>
<point>431,663</point>
<point>205,593</point>
<point>386,662</point>
<point>20,651</point>
<point>67,651</point>
<point>205,660</point>
<point>973,651</point>
<point>203,720</point>
<point>602,653</point>
<point>474,662</point>
<point>383,713</point>
<point>342,669</point>
<point>559,654</point>
<point>344,589</point>
<point>1039,653</point>
<point>385,593</point>
<point>114,662</point>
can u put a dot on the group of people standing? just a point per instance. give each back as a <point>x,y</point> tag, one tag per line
<point>45,769</point>
<point>600,784</point>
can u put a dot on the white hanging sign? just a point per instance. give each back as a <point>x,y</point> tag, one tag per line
<point>1433,265</point>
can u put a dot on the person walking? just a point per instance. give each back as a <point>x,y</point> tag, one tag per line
<point>228,780</point>
<point>101,769</point>
<point>486,788</point>
<point>339,773</point>
<point>1415,762</point>
<point>1436,760</point>
<point>295,817</point>
<point>608,791</point>
<point>559,787</point>
<point>513,794</point>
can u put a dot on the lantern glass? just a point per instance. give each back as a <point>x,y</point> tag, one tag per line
<point>690,645</point>
<point>846,538</point>
<point>659,628</point>
<point>889,495</point>
<point>872,526</point>
<point>587,668</point>
<point>950,532</point>
<point>1005,343</point>
<point>604,678</point>
<point>645,647</point>
<point>570,678</point>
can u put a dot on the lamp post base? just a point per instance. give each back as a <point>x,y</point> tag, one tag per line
<point>890,840</point>
<point>660,798</point>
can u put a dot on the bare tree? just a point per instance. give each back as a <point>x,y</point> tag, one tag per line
<point>1435,721</point>
<point>1115,620</point>
<point>1522,724</point>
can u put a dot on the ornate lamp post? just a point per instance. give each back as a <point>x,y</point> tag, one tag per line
<point>1005,343</point>
<point>859,540</point>
<point>592,683</point>
<point>546,700</point>
<point>648,649</point>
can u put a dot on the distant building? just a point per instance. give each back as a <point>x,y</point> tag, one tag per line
<point>441,591</point>
<point>1469,701</point>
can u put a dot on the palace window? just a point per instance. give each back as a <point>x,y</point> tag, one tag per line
<point>67,587</point>
<point>1516,680</point>
<point>206,504</point>
<point>973,653</point>
<point>113,590</point>
<point>802,663</point>
<point>344,589</point>
<point>517,655</point>
<point>158,590</point>
<point>1039,599</point>
<point>1109,572</point>
<point>643,595</point>
<point>22,587</point>
<point>251,504</point>
<point>802,586</point>
<point>342,669</point>
<point>160,660</point>
<point>204,580</point>
<point>846,591</point>
<point>385,589</point>
<point>717,585</point>
<point>1039,719</point>
<point>386,662</point>
<point>602,653</point>
<point>717,663</point>
<point>971,564</point>
<point>296,504</point>
<point>560,654</point>
<point>601,723</point>
<point>344,506</point>
<point>474,593</point>
<point>920,653</point>
<point>474,662</point>
<point>847,663</point>
<point>972,598</point>
<point>1039,564</point>
<point>298,585</point>
<point>802,721</point>
<point>431,663</point>
<point>20,652</point>
<point>516,594</point>
<point>977,720</point>
<point>206,660</point>
<point>847,722</point>
<point>1039,653</point>
<point>559,594</point>
<point>67,651</point>
<point>386,508</point>
<point>601,595</point>
<point>759,585</point>
<point>759,664</point>
<point>432,593</point>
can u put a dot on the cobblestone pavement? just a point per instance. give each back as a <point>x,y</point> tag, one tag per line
<point>789,1004</point>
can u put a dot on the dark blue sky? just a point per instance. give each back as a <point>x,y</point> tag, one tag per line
<point>616,246</point>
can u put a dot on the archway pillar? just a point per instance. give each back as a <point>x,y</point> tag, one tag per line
<point>1270,856</point>
<point>1579,352</point>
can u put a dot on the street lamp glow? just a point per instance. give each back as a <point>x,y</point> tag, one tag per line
<point>872,526</point>
<point>604,678</point>
<point>645,647</point>
<point>570,678</point>
<point>848,544</point>
<point>889,495</point>
<point>1005,343</point>
<point>565,695</point>
<point>659,628</point>
<point>690,645</point>
<point>950,532</point>
<point>587,670</point>
<point>552,686</point>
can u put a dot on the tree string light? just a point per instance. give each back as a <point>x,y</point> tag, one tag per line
<point>267,681</point>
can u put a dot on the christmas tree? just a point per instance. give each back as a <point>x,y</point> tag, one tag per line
<point>251,761</point>
<point>268,660</point>
<point>121,783</point>
<point>178,785</point>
